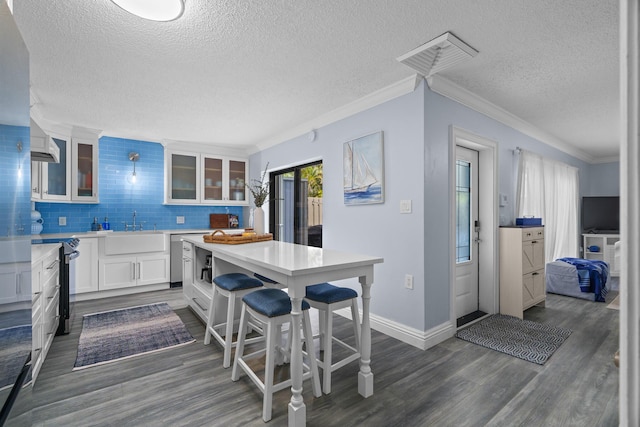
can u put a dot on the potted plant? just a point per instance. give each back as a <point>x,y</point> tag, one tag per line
<point>260,191</point>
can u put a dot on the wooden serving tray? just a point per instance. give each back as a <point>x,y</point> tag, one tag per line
<point>220,236</point>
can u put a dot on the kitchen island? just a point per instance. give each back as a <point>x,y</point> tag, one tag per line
<point>296,267</point>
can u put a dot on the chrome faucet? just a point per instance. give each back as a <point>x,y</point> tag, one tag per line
<point>134,220</point>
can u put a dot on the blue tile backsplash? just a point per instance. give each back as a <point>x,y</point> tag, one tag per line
<point>15,175</point>
<point>119,197</point>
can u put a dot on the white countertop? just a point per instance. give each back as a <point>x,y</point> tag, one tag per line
<point>287,258</point>
<point>92,234</point>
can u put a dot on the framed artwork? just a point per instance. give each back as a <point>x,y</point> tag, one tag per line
<point>363,165</point>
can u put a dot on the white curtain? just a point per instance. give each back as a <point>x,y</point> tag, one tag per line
<point>548,189</point>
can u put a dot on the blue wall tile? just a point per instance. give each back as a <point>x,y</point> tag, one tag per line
<point>119,197</point>
<point>15,174</point>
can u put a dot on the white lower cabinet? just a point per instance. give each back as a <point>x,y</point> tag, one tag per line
<point>124,272</point>
<point>45,268</point>
<point>16,282</point>
<point>197,291</point>
<point>87,266</point>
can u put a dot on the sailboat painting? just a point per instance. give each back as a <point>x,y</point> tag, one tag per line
<point>363,161</point>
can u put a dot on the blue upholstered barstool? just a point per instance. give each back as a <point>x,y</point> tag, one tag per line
<point>272,307</point>
<point>327,298</point>
<point>232,286</point>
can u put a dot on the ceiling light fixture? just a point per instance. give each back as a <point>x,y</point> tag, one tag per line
<point>154,10</point>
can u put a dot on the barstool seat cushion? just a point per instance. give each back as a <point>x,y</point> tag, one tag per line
<point>265,279</point>
<point>236,282</point>
<point>271,302</point>
<point>328,293</point>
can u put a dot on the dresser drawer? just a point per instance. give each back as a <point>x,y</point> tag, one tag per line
<point>532,233</point>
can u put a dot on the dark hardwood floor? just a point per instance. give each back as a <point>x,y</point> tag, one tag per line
<point>452,384</point>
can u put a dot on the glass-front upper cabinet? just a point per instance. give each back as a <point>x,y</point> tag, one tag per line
<point>237,175</point>
<point>85,177</point>
<point>56,177</point>
<point>74,178</point>
<point>184,170</point>
<point>196,178</point>
<point>212,179</point>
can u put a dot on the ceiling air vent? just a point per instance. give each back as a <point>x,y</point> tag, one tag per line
<point>437,55</point>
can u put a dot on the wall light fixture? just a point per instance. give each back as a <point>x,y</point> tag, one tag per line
<point>134,157</point>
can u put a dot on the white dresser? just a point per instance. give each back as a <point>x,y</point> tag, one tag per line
<point>522,265</point>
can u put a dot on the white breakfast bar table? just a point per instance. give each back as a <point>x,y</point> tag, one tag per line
<point>296,267</point>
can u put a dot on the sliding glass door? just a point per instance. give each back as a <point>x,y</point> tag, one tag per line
<point>296,211</point>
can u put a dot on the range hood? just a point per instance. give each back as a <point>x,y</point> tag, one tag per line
<point>43,147</point>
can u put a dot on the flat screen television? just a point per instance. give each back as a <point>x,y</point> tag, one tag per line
<point>601,215</point>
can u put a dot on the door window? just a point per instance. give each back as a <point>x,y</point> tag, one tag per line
<point>463,211</point>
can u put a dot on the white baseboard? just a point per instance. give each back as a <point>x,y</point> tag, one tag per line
<point>419,339</point>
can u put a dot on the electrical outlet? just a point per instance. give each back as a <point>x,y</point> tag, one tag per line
<point>408,281</point>
<point>62,220</point>
<point>179,220</point>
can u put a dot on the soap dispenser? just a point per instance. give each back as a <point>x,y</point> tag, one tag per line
<point>105,224</point>
<point>94,226</point>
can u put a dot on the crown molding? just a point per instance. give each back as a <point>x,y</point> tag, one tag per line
<point>609,159</point>
<point>446,87</point>
<point>378,97</point>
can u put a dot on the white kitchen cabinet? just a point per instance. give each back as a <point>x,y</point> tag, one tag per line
<point>55,178</point>
<point>606,250</point>
<point>16,280</point>
<point>197,293</point>
<point>87,266</point>
<point>84,172</point>
<point>522,264</point>
<point>200,178</point>
<point>126,271</point>
<point>45,303</point>
<point>74,179</point>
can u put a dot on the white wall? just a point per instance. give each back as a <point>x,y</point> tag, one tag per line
<point>416,138</point>
<point>377,229</point>
<point>603,180</point>
<point>440,114</point>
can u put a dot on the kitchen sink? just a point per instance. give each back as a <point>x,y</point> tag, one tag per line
<point>135,242</point>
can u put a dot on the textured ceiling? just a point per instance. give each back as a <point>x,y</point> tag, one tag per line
<point>233,72</point>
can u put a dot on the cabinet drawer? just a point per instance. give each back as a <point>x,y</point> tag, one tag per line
<point>51,318</point>
<point>50,266</point>
<point>533,288</point>
<point>51,298</point>
<point>200,301</point>
<point>532,233</point>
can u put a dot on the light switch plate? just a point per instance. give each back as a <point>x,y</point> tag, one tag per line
<point>179,220</point>
<point>503,200</point>
<point>405,206</point>
<point>62,220</point>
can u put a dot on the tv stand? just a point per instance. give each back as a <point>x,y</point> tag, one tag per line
<point>606,253</point>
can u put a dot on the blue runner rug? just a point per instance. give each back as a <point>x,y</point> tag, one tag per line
<point>120,334</point>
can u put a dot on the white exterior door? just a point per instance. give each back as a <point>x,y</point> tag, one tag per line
<point>467,231</point>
